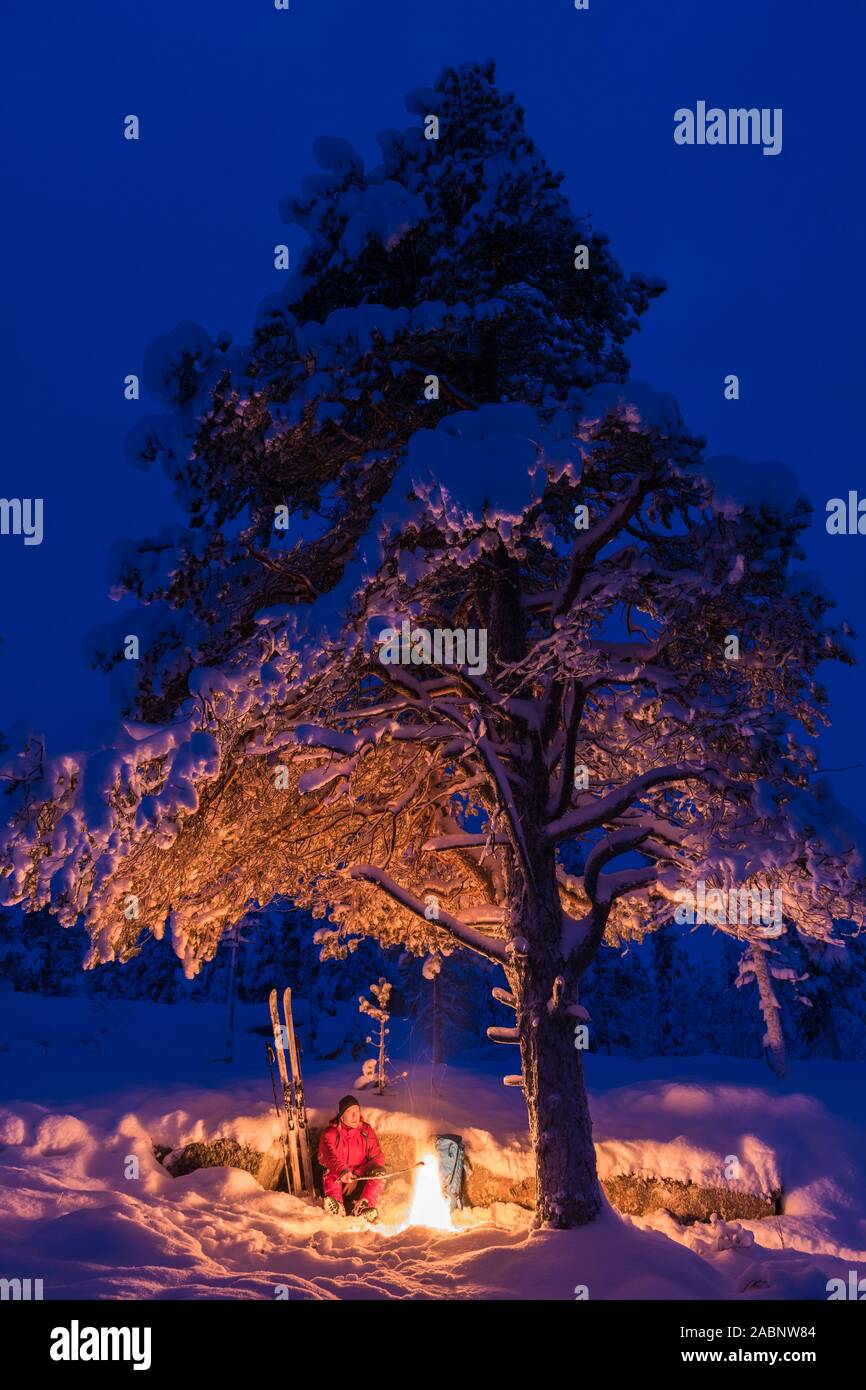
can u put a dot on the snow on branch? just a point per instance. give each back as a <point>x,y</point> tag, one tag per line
<point>600,810</point>
<point>461,931</point>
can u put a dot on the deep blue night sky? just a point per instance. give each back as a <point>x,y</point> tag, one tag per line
<point>108,243</point>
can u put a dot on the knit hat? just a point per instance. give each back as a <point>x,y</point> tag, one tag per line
<point>346,1104</point>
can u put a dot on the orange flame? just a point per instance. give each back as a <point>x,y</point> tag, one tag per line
<point>430,1207</point>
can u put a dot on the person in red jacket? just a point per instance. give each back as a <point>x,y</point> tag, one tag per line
<point>350,1155</point>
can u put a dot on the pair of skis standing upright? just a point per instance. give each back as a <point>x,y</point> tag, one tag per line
<point>296,1143</point>
<point>296,1140</point>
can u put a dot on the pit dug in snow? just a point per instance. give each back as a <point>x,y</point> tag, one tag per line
<point>634,1195</point>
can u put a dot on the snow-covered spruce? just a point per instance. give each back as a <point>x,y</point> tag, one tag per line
<point>375,1071</point>
<point>297,763</point>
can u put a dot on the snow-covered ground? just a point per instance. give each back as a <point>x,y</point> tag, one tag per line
<point>87,1086</point>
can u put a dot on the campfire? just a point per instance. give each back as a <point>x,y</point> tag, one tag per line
<point>430,1207</point>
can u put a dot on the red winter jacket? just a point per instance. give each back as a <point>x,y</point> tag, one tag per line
<point>356,1149</point>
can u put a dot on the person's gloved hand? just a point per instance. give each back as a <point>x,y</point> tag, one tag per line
<point>375,1172</point>
<point>347,1176</point>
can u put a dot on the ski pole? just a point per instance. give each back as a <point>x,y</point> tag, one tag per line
<point>271,1060</point>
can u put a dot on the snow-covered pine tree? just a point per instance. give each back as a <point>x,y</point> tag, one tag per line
<point>576,525</point>
<point>233,940</point>
<point>439,280</point>
<point>377,1008</point>
<point>449,1003</point>
<point>36,958</point>
<point>835,1025</point>
<point>274,955</point>
<point>671,976</point>
<point>761,964</point>
<point>432,971</point>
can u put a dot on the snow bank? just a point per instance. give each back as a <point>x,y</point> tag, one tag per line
<point>636,1134</point>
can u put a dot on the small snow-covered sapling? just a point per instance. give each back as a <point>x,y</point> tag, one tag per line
<point>381,993</point>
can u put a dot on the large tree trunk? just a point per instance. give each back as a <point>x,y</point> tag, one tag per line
<point>560,1127</point>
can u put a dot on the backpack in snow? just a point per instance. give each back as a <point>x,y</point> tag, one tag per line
<point>452,1156</point>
